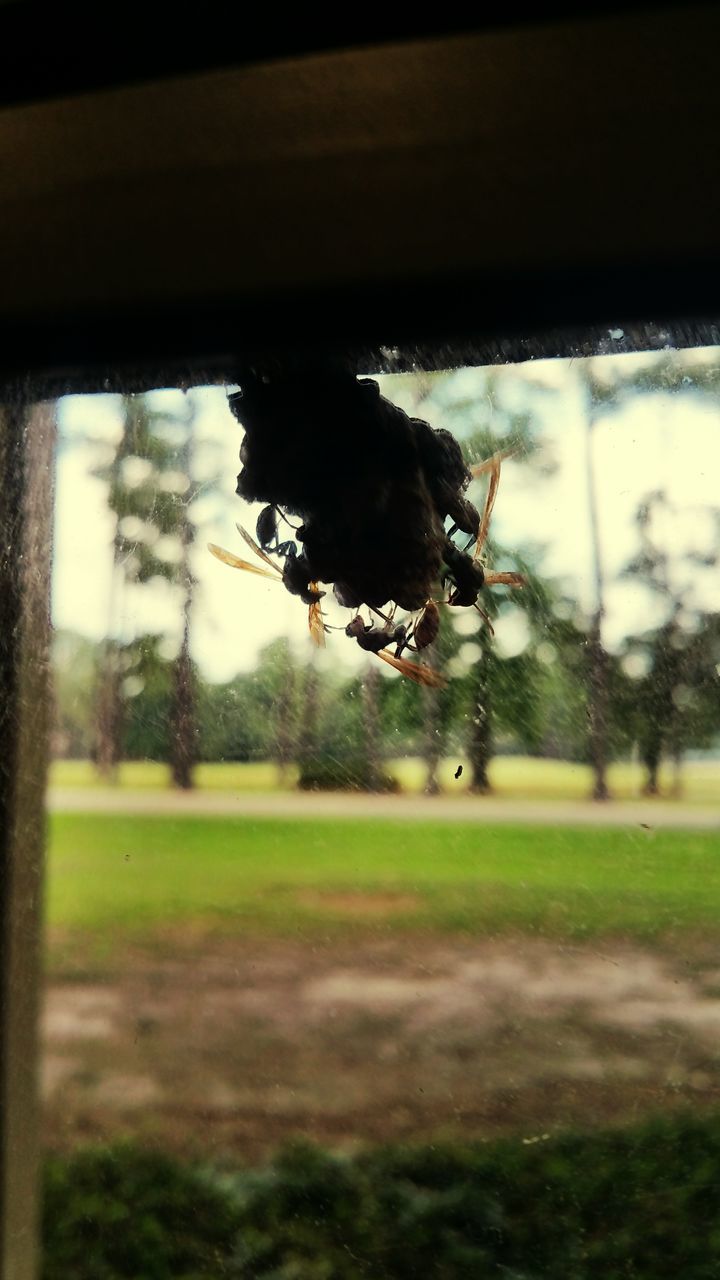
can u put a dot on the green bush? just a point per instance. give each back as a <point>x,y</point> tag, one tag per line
<point>136,1215</point>
<point>327,773</point>
<point>640,1204</point>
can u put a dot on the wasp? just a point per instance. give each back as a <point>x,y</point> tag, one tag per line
<point>375,640</point>
<point>294,575</point>
<point>266,532</point>
<point>467,572</point>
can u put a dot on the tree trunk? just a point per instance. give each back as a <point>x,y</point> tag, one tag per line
<point>371,728</point>
<point>108,716</point>
<point>597,707</point>
<point>308,739</point>
<point>183,727</point>
<point>108,708</point>
<point>677,782</point>
<point>433,734</point>
<point>285,730</point>
<point>183,719</point>
<point>481,738</point>
<point>652,764</point>
<point>597,713</point>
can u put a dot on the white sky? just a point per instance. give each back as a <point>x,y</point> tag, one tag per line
<point>658,441</point>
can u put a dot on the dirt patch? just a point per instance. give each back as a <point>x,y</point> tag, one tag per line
<point>239,1045</point>
<point>80,1012</point>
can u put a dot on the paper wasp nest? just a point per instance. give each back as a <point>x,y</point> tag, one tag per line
<point>372,490</point>
<point>371,486</point>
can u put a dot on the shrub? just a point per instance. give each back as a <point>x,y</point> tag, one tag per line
<point>129,1213</point>
<point>637,1204</point>
<point>328,773</point>
<point>640,1203</point>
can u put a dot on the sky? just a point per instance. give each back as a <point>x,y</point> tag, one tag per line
<point>659,441</point>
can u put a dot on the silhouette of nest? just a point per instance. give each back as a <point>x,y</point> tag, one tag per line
<point>370,486</point>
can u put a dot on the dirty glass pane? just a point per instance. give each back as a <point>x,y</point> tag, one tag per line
<point>352,972</point>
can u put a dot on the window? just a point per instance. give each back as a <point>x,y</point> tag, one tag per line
<point>381,952</point>
<point>510,983</point>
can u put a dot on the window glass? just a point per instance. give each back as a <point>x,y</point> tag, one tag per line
<point>353,975</point>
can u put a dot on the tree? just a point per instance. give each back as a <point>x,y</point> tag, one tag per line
<point>597,665</point>
<point>286,731</point>
<point>678,697</point>
<point>309,739</point>
<point>144,512</point>
<point>74,664</point>
<point>439,706</point>
<point>371,737</point>
<point>147,697</point>
<point>239,719</point>
<point>153,488</point>
<point>667,717</point>
<point>493,417</point>
<point>183,720</point>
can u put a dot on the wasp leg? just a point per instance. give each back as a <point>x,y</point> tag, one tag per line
<point>486,619</point>
<point>284,516</point>
<point>380,614</point>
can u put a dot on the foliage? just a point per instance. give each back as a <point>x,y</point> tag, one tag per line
<point>677,700</point>
<point>635,1203</point>
<point>74,662</point>
<point>238,719</point>
<point>335,753</point>
<point>639,1202</point>
<point>328,773</point>
<point>125,1212</point>
<point>147,698</point>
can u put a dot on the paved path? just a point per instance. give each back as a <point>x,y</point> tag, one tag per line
<point>447,808</point>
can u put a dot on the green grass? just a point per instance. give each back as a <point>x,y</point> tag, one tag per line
<point>124,878</point>
<point>514,777</point>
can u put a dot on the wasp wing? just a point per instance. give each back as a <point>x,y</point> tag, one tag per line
<point>481,468</point>
<point>315,621</point>
<point>505,580</point>
<point>489,504</point>
<point>258,550</point>
<point>235,562</point>
<point>414,670</point>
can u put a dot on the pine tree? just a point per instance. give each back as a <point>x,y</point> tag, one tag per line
<point>151,491</point>
<point>673,649</point>
<point>488,422</point>
<point>678,698</point>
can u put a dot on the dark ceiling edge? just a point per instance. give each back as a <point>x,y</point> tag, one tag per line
<point>227,368</point>
<point>431,323</point>
<point>44,49</point>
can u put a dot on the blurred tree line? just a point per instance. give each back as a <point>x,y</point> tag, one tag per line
<point>560,693</point>
<point>338,730</point>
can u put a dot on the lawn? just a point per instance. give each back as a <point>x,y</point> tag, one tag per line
<point>513,777</point>
<point>134,878</point>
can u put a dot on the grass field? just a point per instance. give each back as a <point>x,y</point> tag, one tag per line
<point>514,777</point>
<point>132,877</point>
<point>238,981</point>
